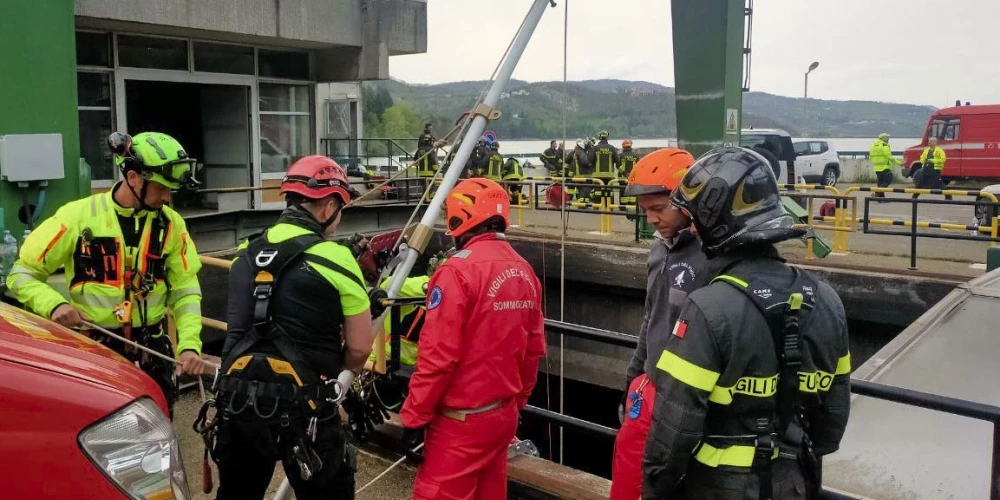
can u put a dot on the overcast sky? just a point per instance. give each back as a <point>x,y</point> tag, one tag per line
<point>910,51</point>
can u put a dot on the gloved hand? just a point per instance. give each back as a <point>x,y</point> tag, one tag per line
<point>358,244</point>
<point>375,297</point>
<point>410,440</point>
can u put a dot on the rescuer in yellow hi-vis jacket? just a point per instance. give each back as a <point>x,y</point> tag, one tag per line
<point>128,258</point>
<point>932,158</point>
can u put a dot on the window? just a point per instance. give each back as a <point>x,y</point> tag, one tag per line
<point>937,129</point>
<point>341,127</point>
<point>816,147</point>
<point>93,49</point>
<point>219,58</point>
<point>285,126</point>
<point>951,130</point>
<point>278,64</point>
<point>801,148</point>
<point>148,52</point>
<point>94,92</point>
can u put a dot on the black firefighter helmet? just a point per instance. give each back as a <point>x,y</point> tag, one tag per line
<point>733,200</point>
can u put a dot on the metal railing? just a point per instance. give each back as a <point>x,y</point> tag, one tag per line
<point>388,154</point>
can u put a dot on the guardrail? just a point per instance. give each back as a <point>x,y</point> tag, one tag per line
<point>914,222</point>
<point>841,227</point>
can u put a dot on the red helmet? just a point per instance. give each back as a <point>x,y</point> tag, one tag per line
<point>474,201</point>
<point>316,177</point>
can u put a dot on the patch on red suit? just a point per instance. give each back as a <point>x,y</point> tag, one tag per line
<point>680,328</point>
<point>435,298</point>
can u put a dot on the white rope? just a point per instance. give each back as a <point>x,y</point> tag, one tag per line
<point>562,242</point>
<point>386,471</point>
<point>140,346</point>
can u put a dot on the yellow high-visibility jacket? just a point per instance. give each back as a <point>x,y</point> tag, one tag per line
<point>85,236</point>
<point>881,156</point>
<point>937,158</point>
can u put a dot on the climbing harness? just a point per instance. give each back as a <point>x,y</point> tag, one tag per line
<point>785,310</point>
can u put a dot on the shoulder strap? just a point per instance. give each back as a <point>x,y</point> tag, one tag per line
<point>333,266</point>
<point>785,310</point>
<point>267,261</point>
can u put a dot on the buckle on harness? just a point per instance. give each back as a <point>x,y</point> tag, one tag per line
<point>262,291</point>
<point>764,446</point>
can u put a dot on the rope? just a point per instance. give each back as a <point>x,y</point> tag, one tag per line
<point>140,346</point>
<point>386,471</point>
<point>562,242</point>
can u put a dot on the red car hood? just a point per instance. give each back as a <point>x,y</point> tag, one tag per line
<point>31,340</point>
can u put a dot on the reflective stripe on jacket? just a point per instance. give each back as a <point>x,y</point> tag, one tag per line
<point>85,236</point>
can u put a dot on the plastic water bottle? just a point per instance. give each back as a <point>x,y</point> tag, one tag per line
<point>23,239</point>
<point>8,251</point>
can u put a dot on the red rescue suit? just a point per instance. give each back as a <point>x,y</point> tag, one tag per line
<point>626,467</point>
<point>478,364</point>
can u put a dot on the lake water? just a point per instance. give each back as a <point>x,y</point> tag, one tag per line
<point>838,144</point>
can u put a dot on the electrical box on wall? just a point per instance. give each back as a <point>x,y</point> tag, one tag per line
<point>31,157</point>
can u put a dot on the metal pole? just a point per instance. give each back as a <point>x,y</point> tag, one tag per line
<point>913,237</point>
<point>995,482</point>
<point>805,95</point>
<point>427,222</point>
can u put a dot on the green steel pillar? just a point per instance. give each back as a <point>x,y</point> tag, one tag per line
<point>708,71</point>
<point>38,93</point>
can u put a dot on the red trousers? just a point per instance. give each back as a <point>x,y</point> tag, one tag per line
<point>467,459</point>
<point>626,468</point>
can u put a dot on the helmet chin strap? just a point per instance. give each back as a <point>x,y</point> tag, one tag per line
<point>141,195</point>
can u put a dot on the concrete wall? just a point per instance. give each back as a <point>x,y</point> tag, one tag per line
<point>302,23</point>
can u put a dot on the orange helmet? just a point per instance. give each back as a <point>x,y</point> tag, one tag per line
<point>659,172</point>
<point>473,202</point>
<point>627,143</point>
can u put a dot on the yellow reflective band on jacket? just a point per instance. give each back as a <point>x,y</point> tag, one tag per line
<point>761,387</point>
<point>764,387</point>
<point>494,170</point>
<point>844,365</point>
<point>603,168</point>
<point>735,456</point>
<point>687,372</point>
<point>732,279</point>
<point>85,236</point>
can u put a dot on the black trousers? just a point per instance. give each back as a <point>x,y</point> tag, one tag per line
<point>932,177</point>
<point>161,371</point>
<point>248,447</point>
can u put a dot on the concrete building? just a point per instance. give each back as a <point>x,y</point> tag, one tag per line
<point>248,86</point>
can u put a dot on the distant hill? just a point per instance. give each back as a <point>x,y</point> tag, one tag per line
<point>639,109</point>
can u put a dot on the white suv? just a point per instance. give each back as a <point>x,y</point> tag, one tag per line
<point>816,162</point>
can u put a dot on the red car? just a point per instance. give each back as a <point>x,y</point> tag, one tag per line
<point>970,137</point>
<point>79,421</point>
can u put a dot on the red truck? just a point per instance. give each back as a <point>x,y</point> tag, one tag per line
<point>79,421</point>
<point>970,136</point>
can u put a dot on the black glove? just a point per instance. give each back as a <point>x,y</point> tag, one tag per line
<point>358,244</point>
<point>410,440</point>
<point>375,298</point>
